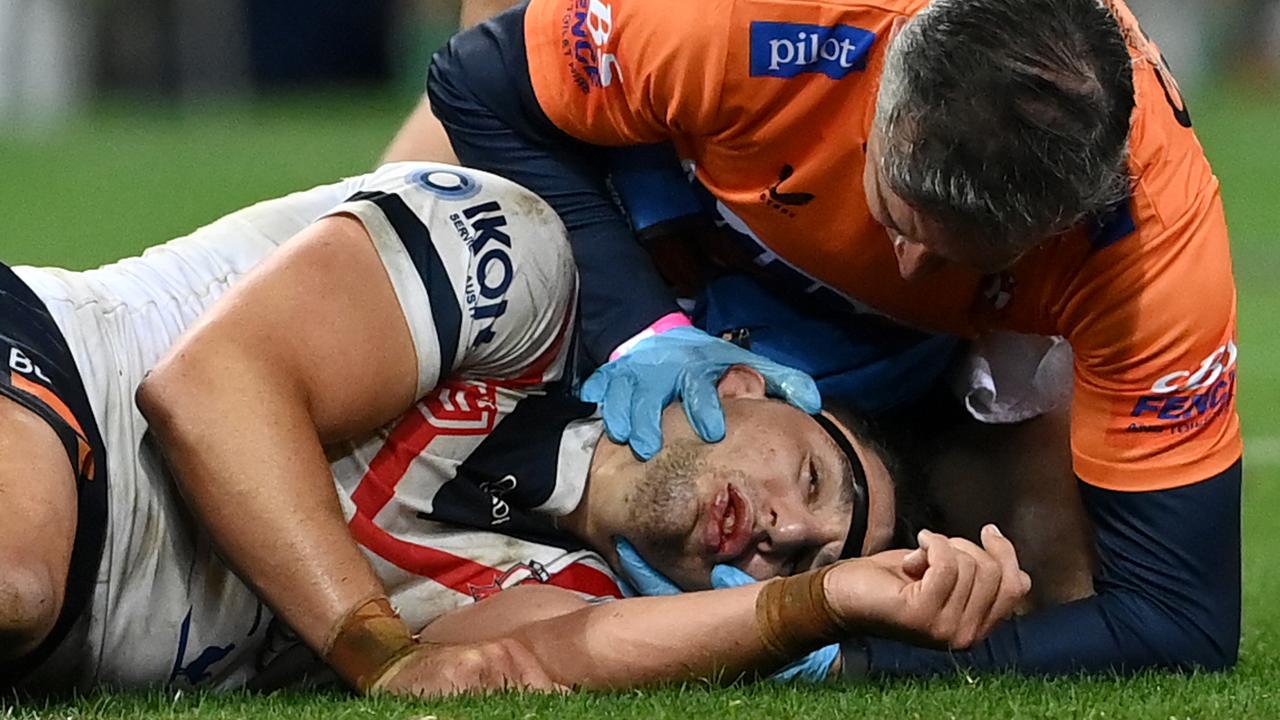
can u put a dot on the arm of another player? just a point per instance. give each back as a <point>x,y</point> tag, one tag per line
<point>422,137</point>
<point>1157,448</point>
<point>311,348</point>
<point>1168,595</point>
<point>949,593</point>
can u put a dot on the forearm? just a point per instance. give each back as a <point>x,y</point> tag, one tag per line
<point>719,635</point>
<point>250,464</point>
<point>644,641</point>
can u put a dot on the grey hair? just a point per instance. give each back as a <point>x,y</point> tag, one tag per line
<point>1007,119</point>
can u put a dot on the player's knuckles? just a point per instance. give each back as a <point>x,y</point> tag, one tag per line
<point>988,572</point>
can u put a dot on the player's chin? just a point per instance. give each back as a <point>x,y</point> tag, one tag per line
<point>692,573</point>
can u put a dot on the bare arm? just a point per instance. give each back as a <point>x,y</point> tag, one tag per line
<point>422,137</point>
<point>311,348</point>
<point>475,12</point>
<point>951,594</point>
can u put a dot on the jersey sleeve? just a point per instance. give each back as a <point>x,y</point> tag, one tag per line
<point>1154,334</point>
<point>1167,596</point>
<point>617,72</point>
<point>481,268</point>
<point>1152,315</point>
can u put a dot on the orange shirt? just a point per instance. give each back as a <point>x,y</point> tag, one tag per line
<point>773,100</point>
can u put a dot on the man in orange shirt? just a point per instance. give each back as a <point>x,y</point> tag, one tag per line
<point>1034,169</point>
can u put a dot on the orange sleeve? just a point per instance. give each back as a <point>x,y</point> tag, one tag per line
<point>1156,360</point>
<point>617,72</point>
<point>1152,318</point>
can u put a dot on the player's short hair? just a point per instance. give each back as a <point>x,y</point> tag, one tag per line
<point>1008,119</point>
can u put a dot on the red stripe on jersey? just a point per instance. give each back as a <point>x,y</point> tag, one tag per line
<point>410,437</point>
<point>456,408</point>
<point>467,576</point>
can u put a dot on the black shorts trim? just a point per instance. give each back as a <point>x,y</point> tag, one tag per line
<point>38,372</point>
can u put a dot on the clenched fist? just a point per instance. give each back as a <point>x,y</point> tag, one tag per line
<point>949,592</point>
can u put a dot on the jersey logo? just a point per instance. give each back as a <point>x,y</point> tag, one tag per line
<point>1191,398</point>
<point>531,572</point>
<point>998,290</point>
<point>785,50</point>
<point>448,184</point>
<point>486,288</point>
<point>198,670</point>
<point>496,489</point>
<point>589,35</point>
<point>781,201</point>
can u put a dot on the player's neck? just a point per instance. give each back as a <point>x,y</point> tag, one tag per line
<point>596,518</point>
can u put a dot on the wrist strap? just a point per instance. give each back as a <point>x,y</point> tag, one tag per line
<point>367,642</point>
<point>670,321</point>
<point>793,615</point>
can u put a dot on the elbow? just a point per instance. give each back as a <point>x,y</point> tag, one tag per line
<point>157,397</point>
<point>1209,641</point>
<point>1216,652</point>
<point>170,397</point>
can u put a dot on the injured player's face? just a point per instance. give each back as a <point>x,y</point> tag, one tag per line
<point>778,495</point>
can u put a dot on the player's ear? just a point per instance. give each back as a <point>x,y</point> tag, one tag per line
<point>741,381</point>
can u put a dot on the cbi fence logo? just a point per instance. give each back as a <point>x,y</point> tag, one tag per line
<point>588,35</point>
<point>1190,397</point>
<point>785,50</point>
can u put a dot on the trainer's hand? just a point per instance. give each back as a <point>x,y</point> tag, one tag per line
<point>948,592</point>
<point>682,363</point>
<point>442,670</point>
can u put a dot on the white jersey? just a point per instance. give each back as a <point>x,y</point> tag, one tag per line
<point>451,502</point>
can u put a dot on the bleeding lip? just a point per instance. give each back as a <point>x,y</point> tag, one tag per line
<point>723,541</point>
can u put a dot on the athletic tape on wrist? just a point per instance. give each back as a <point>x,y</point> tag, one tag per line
<point>368,643</point>
<point>793,615</point>
<point>670,321</point>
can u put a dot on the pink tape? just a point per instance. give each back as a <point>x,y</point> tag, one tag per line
<point>670,321</point>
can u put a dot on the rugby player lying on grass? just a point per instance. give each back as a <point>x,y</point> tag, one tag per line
<point>375,417</point>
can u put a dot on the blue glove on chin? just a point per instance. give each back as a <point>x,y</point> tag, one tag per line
<point>814,667</point>
<point>685,363</point>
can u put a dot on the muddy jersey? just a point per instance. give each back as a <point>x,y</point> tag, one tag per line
<point>452,502</point>
<point>773,101</point>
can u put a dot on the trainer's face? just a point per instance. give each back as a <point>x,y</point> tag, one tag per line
<point>773,498</point>
<point>921,244</point>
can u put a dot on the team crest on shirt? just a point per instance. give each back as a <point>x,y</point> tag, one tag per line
<point>998,289</point>
<point>525,573</point>
<point>785,50</point>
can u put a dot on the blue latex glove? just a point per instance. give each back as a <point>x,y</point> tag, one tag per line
<point>814,667</point>
<point>682,363</point>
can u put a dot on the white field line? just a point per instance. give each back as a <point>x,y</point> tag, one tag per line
<point>1262,450</point>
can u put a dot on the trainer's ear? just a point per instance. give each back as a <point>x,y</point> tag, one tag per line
<point>741,381</point>
<point>898,23</point>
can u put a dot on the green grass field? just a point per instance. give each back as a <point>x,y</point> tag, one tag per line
<point>129,177</point>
